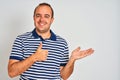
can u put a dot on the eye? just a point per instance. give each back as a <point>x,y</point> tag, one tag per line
<point>37,15</point>
<point>47,16</point>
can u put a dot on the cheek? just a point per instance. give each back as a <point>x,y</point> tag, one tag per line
<point>50,21</point>
<point>35,20</point>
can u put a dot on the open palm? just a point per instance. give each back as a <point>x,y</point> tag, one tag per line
<point>78,53</point>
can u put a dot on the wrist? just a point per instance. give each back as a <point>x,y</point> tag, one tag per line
<point>33,58</point>
<point>72,59</point>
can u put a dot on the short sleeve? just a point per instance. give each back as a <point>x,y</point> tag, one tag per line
<point>17,49</point>
<point>65,55</point>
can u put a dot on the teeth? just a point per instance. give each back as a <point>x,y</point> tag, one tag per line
<point>41,24</point>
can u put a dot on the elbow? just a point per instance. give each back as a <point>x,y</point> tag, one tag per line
<point>64,77</point>
<point>11,74</point>
<point>12,71</point>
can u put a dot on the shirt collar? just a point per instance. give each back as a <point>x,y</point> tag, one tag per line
<point>52,37</point>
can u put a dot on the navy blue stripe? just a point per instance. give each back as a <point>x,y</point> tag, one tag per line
<point>15,57</point>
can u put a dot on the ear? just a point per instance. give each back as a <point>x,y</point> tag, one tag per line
<point>33,17</point>
<point>52,19</point>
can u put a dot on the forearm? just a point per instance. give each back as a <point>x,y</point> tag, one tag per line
<point>68,69</point>
<point>19,67</point>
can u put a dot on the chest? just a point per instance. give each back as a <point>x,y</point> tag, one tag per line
<point>55,50</point>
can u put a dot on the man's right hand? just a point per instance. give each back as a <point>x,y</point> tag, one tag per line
<point>40,54</point>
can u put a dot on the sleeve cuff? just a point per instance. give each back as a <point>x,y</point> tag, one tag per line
<point>63,64</point>
<point>16,58</point>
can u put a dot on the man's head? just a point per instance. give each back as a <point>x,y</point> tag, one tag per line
<point>45,4</point>
<point>43,17</point>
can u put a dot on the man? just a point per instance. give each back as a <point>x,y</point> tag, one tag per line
<point>41,54</point>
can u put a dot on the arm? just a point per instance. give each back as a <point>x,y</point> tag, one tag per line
<point>16,67</point>
<point>76,54</point>
<point>67,70</point>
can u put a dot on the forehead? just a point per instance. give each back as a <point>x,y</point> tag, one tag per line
<point>43,10</point>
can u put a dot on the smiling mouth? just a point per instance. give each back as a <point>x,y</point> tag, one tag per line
<point>42,23</point>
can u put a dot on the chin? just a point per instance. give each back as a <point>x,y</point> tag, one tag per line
<point>43,31</point>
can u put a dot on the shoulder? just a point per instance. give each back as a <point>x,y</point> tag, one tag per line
<point>24,36</point>
<point>61,39</point>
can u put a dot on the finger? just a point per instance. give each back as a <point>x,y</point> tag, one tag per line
<point>40,46</point>
<point>90,51</point>
<point>78,48</point>
<point>46,51</point>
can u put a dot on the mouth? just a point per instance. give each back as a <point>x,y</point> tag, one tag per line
<point>42,23</point>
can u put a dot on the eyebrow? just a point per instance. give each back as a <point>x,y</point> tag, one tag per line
<point>38,14</point>
<point>47,15</point>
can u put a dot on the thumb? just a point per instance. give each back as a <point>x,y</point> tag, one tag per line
<point>78,48</point>
<point>40,46</point>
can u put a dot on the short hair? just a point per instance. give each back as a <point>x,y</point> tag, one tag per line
<point>45,4</point>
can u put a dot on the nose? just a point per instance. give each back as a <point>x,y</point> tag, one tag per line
<point>41,18</point>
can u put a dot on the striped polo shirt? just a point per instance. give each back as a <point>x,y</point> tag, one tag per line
<point>25,45</point>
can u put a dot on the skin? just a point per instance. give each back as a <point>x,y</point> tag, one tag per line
<point>42,21</point>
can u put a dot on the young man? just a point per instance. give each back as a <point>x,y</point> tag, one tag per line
<point>41,54</point>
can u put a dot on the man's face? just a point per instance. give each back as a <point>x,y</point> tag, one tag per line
<point>43,19</point>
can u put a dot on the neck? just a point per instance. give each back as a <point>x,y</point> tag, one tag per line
<point>45,35</point>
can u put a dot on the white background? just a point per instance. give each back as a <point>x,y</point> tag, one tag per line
<point>84,23</point>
